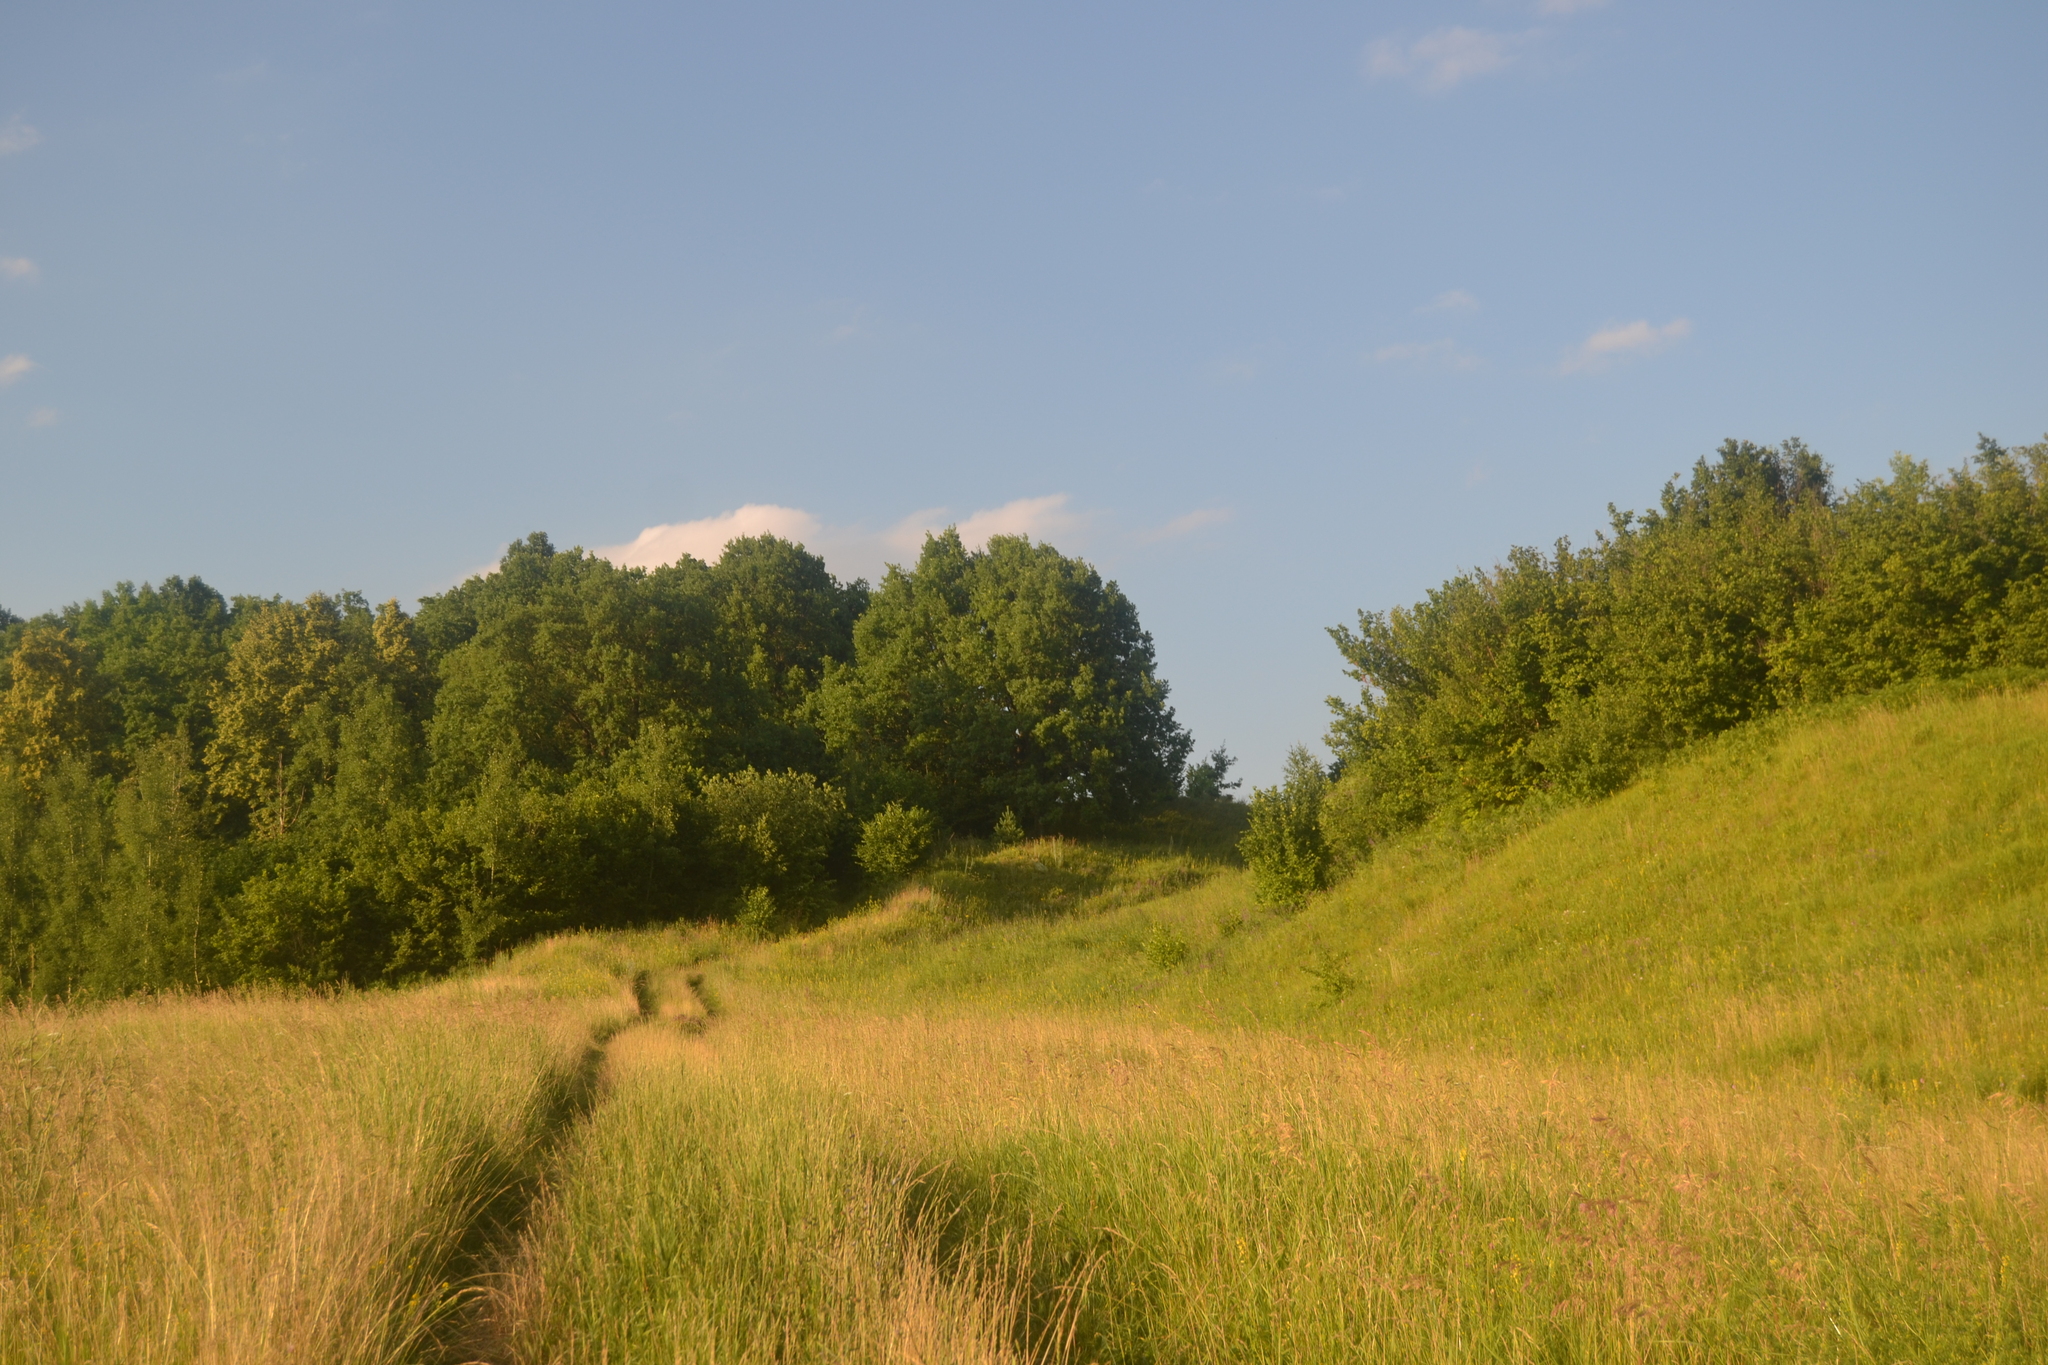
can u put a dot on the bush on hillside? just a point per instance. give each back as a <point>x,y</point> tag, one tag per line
<point>1284,845</point>
<point>894,840</point>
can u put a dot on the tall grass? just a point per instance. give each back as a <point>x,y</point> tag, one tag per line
<point>768,1192</point>
<point>258,1179</point>
<point>715,1209</point>
<point>1860,898</point>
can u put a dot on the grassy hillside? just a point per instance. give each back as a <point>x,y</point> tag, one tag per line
<point>1862,896</point>
<point>1744,1063</point>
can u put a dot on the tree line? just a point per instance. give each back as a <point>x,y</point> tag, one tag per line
<point>196,790</point>
<point>1755,584</point>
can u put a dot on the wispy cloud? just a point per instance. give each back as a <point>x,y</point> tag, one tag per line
<point>12,368</point>
<point>1443,353</point>
<point>19,268</point>
<point>1186,524</point>
<point>1039,518</point>
<point>43,417</point>
<point>1444,59</point>
<point>17,136</point>
<point>1567,7</point>
<point>1451,301</point>
<point>1622,341</point>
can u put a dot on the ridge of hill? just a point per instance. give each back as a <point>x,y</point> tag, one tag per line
<point>1860,894</point>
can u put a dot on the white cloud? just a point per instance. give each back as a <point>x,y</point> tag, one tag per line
<point>1185,525</point>
<point>1563,7</point>
<point>1451,301</point>
<point>1039,518</point>
<point>12,368</point>
<point>1442,352</point>
<point>19,268</point>
<point>706,538</point>
<point>43,417</point>
<point>1445,58</point>
<point>1623,340</point>
<point>850,550</point>
<point>16,136</point>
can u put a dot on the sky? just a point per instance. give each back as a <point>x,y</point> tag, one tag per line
<point>1273,312</point>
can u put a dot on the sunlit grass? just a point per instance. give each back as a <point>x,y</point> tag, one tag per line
<point>247,1179</point>
<point>1178,1194</point>
<point>1748,1062</point>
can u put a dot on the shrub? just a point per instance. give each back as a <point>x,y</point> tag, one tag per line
<point>1284,846</point>
<point>1164,948</point>
<point>756,917</point>
<point>1008,831</point>
<point>895,840</point>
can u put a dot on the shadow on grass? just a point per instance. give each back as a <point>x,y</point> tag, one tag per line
<point>1053,878</point>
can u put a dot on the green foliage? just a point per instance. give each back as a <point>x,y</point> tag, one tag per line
<point>1011,677</point>
<point>55,704</point>
<point>757,916</point>
<point>1206,784</point>
<point>894,840</point>
<point>775,831</point>
<point>1165,949</point>
<point>1008,830</point>
<point>1333,980</point>
<point>1284,844</point>
<point>1750,587</point>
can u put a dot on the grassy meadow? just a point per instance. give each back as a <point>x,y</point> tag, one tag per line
<point>1749,1061</point>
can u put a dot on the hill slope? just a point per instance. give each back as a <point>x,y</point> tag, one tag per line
<point>1860,894</point>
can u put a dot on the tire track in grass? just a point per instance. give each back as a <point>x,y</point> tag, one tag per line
<point>475,1333</point>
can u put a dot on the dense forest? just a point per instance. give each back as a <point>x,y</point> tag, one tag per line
<point>202,791</point>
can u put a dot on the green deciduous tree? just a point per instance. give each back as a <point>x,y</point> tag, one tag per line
<point>1010,677</point>
<point>280,668</point>
<point>55,704</point>
<point>1750,586</point>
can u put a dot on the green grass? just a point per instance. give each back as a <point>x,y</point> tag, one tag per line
<point>1863,898</point>
<point>1749,1062</point>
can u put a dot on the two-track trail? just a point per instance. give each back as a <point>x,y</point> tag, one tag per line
<point>497,1258</point>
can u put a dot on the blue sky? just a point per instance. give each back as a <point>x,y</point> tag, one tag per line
<point>1273,311</point>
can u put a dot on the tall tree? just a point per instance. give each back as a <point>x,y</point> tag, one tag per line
<point>279,668</point>
<point>1012,677</point>
<point>55,704</point>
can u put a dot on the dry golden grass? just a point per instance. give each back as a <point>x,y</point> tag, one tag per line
<point>696,1219</point>
<point>1204,1196</point>
<point>241,1179</point>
